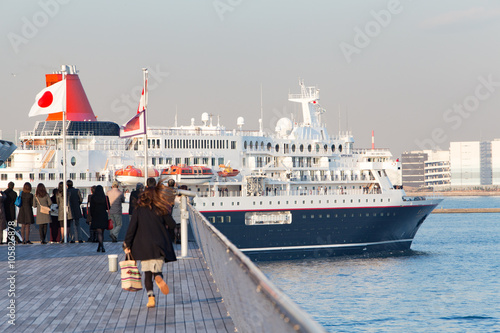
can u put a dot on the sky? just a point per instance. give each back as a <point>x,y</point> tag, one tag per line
<point>418,73</point>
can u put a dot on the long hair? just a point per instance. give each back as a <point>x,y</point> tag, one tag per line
<point>99,195</point>
<point>159,198</point>
<point>60,189</point>
<point>27,187</point>
<point>41,191</point>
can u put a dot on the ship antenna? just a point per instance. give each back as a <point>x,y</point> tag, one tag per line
<point>261,112</point>
<point>175,123</point>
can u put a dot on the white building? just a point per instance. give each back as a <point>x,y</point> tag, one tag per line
<point>495,162</point>
<point>471,163</point>
<point>437,168</point>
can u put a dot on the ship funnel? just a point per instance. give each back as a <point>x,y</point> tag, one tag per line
<point>77,104</point>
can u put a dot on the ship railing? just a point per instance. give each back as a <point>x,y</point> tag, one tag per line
<point>253,302</point>
<point>200,131</point>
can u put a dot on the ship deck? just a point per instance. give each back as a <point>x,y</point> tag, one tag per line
<point>68,288</point>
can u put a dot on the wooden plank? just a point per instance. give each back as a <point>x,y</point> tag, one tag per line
<point>68,288</point>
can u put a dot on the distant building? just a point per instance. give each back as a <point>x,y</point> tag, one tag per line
<point>471,163</point>
<point>437,168</point>
<point>495,162</point>
<point>412,166</point>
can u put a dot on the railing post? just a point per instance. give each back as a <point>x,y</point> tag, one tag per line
<point>184,230</point>
<point>184,221</point>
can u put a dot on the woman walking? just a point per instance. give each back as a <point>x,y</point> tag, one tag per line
<point>147,237</point>
<point>93,232</point>
<point>54,217</point>
<point>25,217</point>
<point>98,210</point>
<point>42,199</point>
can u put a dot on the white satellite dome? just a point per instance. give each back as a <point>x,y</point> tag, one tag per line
<point>205,118</point>
<point>240,121</point>
<point>284,126</point>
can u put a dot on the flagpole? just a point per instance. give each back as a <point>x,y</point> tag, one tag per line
<point>65,191</point>
<point>145,76</point>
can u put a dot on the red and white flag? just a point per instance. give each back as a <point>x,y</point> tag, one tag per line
<point>142,101</point>
<point>50,100</point>
<point>135,126</point>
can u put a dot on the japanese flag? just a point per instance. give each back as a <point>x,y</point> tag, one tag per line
<point>50,100</point>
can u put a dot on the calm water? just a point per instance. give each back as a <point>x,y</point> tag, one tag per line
<point>450,282</point>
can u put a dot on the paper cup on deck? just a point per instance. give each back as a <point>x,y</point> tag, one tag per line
<point>113,262</point>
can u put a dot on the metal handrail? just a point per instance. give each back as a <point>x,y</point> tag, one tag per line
<point>254,303</point>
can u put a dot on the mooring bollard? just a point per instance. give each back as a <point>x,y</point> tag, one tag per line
<point>113,262</point>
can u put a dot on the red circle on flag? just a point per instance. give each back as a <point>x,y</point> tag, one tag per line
<point>46,99</point>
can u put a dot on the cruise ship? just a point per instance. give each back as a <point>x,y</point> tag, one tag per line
<point>295,193</point>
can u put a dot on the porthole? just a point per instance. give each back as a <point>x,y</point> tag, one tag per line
<point>251,145</point>
<point>325,147</point>
<point>293,148</point>
<point>309,148</point>
<point>73,161</point>
<point>333,148</point>
<point>245,145</point>
<point>301,148</point>
<point>340,148</point>
<point>277,148</point>
<point>269,146</point>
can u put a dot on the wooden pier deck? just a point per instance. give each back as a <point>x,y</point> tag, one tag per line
<point>68,288</point>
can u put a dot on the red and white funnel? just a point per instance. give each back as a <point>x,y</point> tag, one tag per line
<point>77,104</point>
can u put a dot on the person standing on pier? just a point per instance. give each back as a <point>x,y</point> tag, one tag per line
<point>42,199</point>
<point>60,205</point>
<point>116,198</point>
<point>134,197</point>
<point>26,218</point>
<point>93,232</point>
<point>98,210</point>
<point>147,237</point>
<point>75,199</point>
<point>3,220</point>
<point>10,208</point>
<point>54,217</point>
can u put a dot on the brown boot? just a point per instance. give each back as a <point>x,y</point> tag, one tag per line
<point>151,302</point>
<point>162,285</point>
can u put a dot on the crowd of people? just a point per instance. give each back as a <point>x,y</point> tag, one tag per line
<point>149,238</point>
<point>100,208</point>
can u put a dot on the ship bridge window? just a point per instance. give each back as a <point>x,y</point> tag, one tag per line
<point>233,144</point>
<point>333,148</point>
<point>4,176</point>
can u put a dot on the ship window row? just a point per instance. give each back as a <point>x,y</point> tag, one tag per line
<point>53,176</point>
<point>345,215</point>
<point>219,219</point>
<point>286,148</point>
<point>213,161</point>
<point>195,144</point>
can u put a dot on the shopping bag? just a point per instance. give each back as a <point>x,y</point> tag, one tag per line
<point>130,275</point>
<point>18,201</point>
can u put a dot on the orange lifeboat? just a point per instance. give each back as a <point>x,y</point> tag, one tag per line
<point>227,171</point>
<point>188,175</point>
<point>131,175</point>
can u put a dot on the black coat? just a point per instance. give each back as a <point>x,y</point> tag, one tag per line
<point>26,210</point>
<point>147,235</point>
<point>99,212</point>
<point>74,202</point>
<point>10,208</point>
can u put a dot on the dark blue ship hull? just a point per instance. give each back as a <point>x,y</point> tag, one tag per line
<point>324,232</point>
